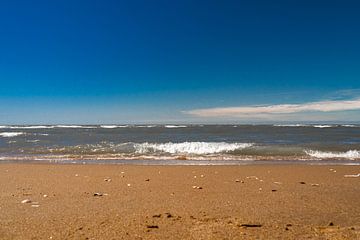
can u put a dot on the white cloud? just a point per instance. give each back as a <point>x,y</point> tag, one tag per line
<point>280,109</point>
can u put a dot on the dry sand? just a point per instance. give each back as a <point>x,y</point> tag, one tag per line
<point>169,202</point>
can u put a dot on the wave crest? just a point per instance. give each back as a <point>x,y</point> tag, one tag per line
<point>175,126</point>
<point>351,154</point>
<point>190,147</point>
<point>11,134</point>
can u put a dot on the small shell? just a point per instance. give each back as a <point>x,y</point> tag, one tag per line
<point>26,201</point>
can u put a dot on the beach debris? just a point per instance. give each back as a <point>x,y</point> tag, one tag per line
<point>45,196</point>
<point>147,180</point>
<point>35,205</point>
<point>122,172</point>
<point>315,184</point>
<point>152,226</point>
<point>238,180</point>
<point>278,183</point>
<point>26,201</point>
<point>129,185</point>
<point>194,176</point>
<point>197,187</point>
<point>332,170</point>
<point>107,179</point>
<point>302,182</point>
<point>157,215</point>
<point>274,190</point>
<point>97,194</point>
<point>352,175</point>
<point>289,225</point>
<point>250,225</point>
<point>168,215</point>
<point>253,177</point>
<point>76,175</point>
<point>260,189</point>
<point>202,175</point>
<point>331,224</point>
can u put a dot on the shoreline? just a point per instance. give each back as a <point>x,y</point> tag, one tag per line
<point>95,201</point>
<point>176,162</point>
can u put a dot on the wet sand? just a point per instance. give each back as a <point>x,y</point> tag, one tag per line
<point>179,202</point>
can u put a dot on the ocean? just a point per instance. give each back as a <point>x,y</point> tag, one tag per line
<point>181,144</point>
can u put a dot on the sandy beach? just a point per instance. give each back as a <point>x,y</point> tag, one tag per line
<point>45,201</point>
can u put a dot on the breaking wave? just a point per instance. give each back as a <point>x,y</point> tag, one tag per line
<point>114,126</point>
<point>190,147</point>
<point>351,154</point>
<point>290,125</point>
<point>11,134</point>
<point>74,126</point>
<point>175,126</point>
<point>323,126</point>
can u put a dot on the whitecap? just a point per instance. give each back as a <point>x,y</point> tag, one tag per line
<point>175,126</point>
<point>290,125</point>
<point>30,127</point>
<point>74,126</point>
<point>11,134</point>
<point>323,126</point>
<point>114,126</point>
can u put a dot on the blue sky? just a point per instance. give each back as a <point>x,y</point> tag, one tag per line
<point>159,61</point>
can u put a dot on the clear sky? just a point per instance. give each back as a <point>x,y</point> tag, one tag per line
<point>135,61</point>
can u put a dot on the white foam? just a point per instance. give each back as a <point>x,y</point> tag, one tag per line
<point>114,126</point>
<point>74,126</point>
<point>190,147</point>
<point>11,134</point>
<point>30,127</point>
<point>145,126</point>
<point>175,126</point>
<point>290,125</point>
<point>348,125</point>
<point>323,126</point>
<point>351,154</point>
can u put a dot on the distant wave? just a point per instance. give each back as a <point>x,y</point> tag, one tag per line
<point>11,134</point>
<point>30,127</point>
<point>323,126</point>
<point>190,147</point>
<point>114,126</point>
<point>351,154</point>
<point>290,125</point>
<point>315,126</point>
<point>175,126</point>
<point>74,126</point>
